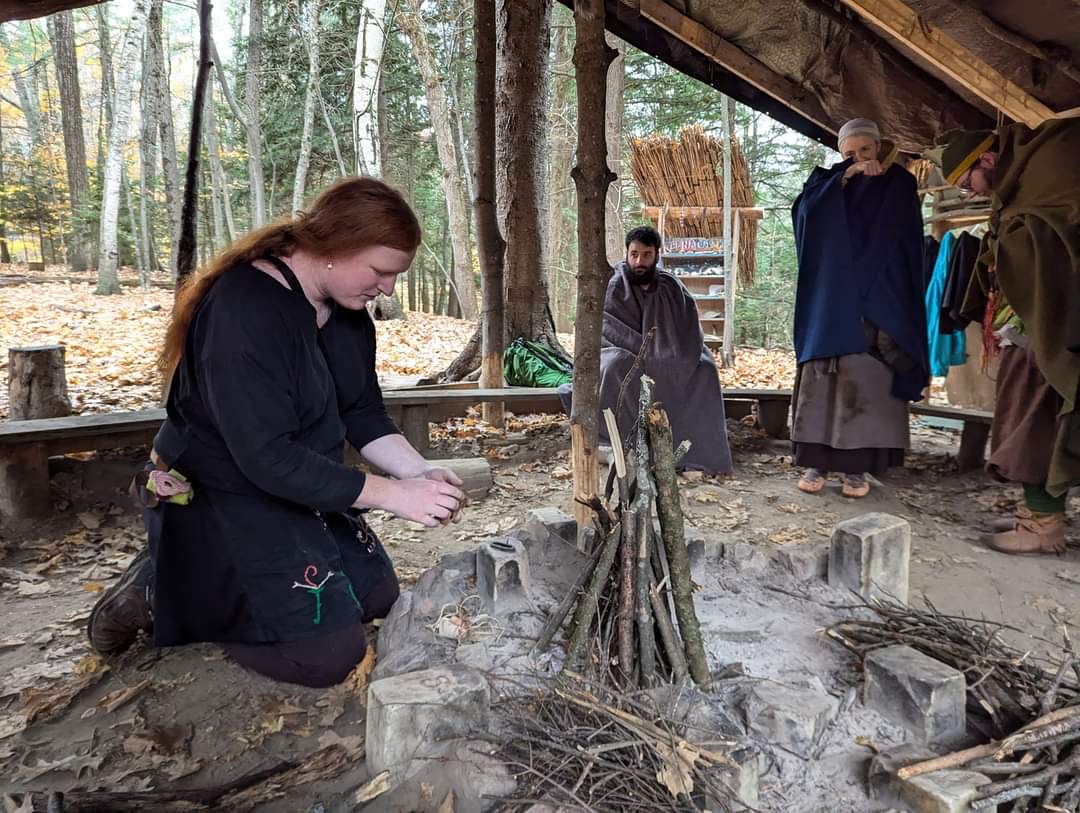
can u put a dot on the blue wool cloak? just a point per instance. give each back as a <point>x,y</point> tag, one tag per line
<point>860,252</point>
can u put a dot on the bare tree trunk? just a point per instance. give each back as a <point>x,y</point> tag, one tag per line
<point>149,123</point>
<point>312,35</point>
<point>408,16</point>
<point>489,241</point>
<point>592,56</point>
<point>110,192</point>
<point>613,128</point>
<point>254,129</point>
<point>170,173</point>
<point>523,33</point>
<point>332,130</point>
<point>141,260</point>
<point>560,156</point>
<point>62,36</point>
<point>217,182</point>
<point>105,114</point>
<point>218,178</point>
<point>185,254</point>
<point>366,82</point>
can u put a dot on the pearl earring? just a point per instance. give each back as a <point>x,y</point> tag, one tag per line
<point>329,266</point>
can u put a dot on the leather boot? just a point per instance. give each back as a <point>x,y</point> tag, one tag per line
<point>1042,533</point>
<point>1003,524</point>
<point>123,610</point>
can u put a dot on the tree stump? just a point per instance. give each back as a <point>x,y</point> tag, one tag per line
<point>37,383</point>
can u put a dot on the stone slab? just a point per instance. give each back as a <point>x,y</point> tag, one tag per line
<point>938,792</point>
<point>407,715</point>
<point>549,520</point>
<point>806,561</point>
<point>913,690</point>
<point>871,556</point>
<point>793,717</point>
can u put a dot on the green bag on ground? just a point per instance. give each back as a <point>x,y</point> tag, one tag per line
<point>532,364</point>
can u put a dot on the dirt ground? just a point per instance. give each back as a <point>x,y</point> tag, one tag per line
<point>189,718</point>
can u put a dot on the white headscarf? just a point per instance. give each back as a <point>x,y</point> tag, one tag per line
<point>865,127</point>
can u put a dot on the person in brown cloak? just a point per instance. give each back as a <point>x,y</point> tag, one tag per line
<point>641,297</point>
<point>1033,246</point>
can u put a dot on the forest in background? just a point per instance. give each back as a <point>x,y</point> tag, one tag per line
<point>95,112</point>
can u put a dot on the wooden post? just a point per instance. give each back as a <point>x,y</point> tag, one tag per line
<point>592,177</point>
<point>414,420</point>
<point>730,275</point>
<point>489,241</point>
<point>37,383</point>
<point>24,480</point>
<point>973,440</point>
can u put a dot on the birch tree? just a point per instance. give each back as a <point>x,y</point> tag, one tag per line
<point>312,38</point>
<point>457,207</point>
<point>254,130</point>
<point>366,69</point>
<point>110,194</point>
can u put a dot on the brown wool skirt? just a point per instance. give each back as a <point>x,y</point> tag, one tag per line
<point>1025,423</point>
<point>846,418</point>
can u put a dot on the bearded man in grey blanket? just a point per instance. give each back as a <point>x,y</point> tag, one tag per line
<point>642,296</point>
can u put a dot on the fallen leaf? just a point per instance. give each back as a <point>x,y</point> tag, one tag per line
<point>677,772</point>
<point>75,763</point>
<point>90,664</point>
<point>354,746</point>
<point>447,805</point>
<point>30,589</point>
<point>89,521</point>
<point>114,700</point>
<point>11,725</point>
<point>40,705</point>
<point>376,786</point>
<point>357,680</point>
<point>1071,576</point>
<point>93,587</point>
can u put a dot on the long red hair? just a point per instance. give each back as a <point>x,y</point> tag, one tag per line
<point>349,216</point>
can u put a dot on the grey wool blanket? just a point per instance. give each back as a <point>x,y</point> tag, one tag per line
<point>687,383</point>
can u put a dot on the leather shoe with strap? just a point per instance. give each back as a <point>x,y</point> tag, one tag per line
<point>1042,533</point>
<point>123,610</point>
<point>1003,524</point>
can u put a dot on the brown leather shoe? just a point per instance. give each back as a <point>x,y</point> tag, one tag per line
<point>1042,533</point>
<point>123,609</point>
<point>1002,524</point>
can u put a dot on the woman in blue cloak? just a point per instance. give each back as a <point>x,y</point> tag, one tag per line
<point>860,321</point>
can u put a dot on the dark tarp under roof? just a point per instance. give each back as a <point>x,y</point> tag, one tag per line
<point>850,69</point>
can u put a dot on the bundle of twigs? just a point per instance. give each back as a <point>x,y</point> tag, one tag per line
<point>1037,767</point>
<point>571,748</point>
<point>689,173</point>
<point>1006,687</point>
<point>637,587</point>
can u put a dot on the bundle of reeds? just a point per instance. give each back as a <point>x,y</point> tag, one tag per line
<point>690,172</point>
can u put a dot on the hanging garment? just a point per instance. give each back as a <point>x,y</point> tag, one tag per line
<point>946,350</point>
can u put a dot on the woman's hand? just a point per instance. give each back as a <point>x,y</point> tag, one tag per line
<point>427,500</point>
<point>870,168</point>
<point>442,475</point>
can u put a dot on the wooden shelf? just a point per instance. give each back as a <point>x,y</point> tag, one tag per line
<point>710,298</point>
<point>702,256</point>
<point>712,320</point>
<point>706,277</point>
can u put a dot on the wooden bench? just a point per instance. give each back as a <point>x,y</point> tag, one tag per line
<point>26,446</point>
<point>774,406</point>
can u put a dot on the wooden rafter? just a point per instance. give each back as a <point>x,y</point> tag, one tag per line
<point>30,9</point>
<point>896,19</point>
<point>734,59</point>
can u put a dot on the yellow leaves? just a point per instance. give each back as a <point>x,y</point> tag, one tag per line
<point>677,773</point>
<point>759,369</point>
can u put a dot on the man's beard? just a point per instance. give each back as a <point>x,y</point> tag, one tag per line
<point>643,276</point>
